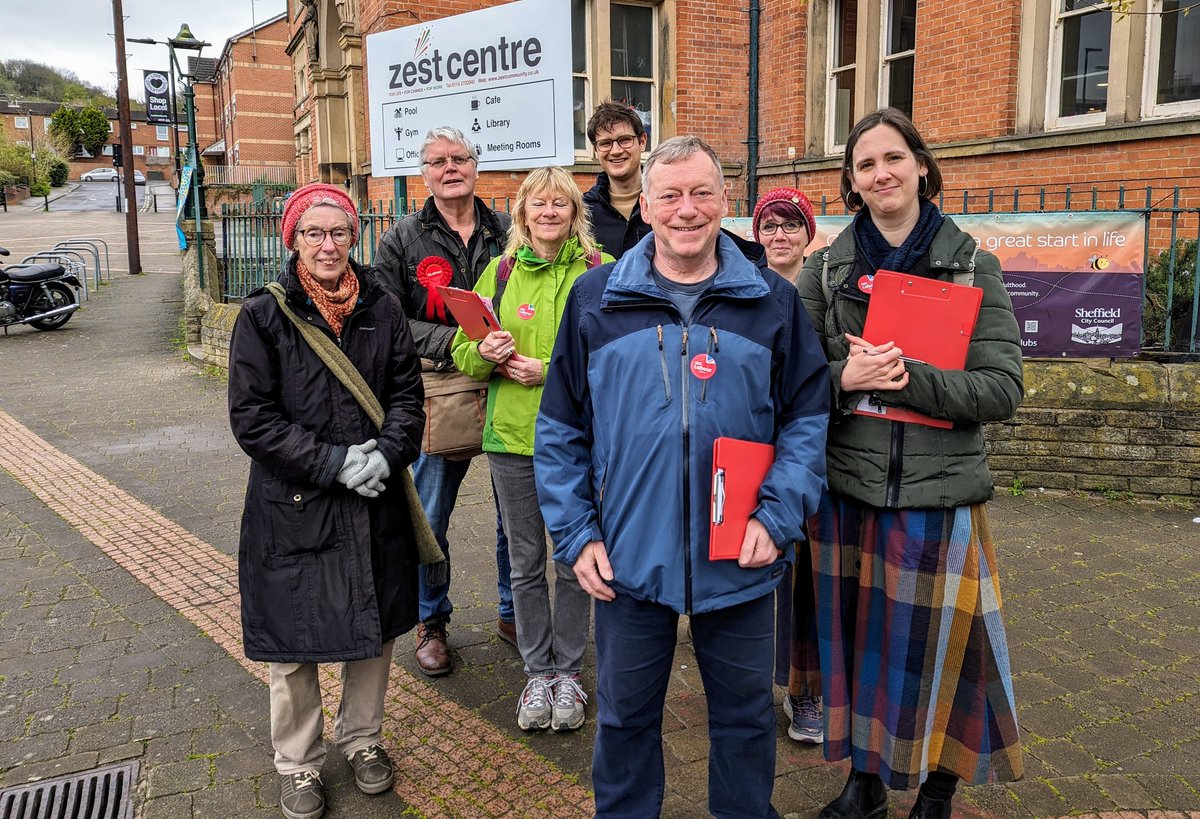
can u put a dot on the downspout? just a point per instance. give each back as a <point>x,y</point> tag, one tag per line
<point>752,124</point>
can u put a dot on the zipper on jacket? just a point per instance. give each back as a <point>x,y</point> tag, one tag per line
<point>685,372</point>
<point>713,349</point>
<point>662,358</point>
<point>895,466</point>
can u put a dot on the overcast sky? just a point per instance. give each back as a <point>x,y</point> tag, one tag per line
<point>76,35</point>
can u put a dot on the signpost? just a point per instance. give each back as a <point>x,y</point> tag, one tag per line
<point>501,75</point>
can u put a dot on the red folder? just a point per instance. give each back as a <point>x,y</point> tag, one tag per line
<point>470,310</point>
<point>739,469</point>
<point>930,320</point>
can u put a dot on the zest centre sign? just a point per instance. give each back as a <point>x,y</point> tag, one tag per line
<point>501,75</point>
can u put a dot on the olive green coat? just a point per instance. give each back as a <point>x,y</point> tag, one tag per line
<point>889,464</point>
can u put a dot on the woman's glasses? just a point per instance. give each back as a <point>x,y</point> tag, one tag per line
<point>769,228</point>
<point>315,237</point>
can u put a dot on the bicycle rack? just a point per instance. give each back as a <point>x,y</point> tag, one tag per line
<point>98,240</point>
<point>76,266</point>
<point>72,244</point>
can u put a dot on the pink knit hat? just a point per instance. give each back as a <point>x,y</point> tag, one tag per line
<point>786,202</point>
<point>317,193</point>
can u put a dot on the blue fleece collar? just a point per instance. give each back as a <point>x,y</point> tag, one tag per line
<point>737,277</point>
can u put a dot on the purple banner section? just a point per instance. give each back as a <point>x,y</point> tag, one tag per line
<point>1077,314</point>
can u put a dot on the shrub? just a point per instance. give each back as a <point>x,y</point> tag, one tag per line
<point>39,188</point>
<point>7,178</point>
<point>1155,319</point>
<point>59,171</point>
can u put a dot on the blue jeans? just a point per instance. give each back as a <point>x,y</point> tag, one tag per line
<point>635,650</point>
<point>438,480</point>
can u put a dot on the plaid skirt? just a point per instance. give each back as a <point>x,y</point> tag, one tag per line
<point>913,657</point>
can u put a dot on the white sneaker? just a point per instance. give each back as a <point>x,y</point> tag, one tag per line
<point>568,702</point>
<point>533,708</point>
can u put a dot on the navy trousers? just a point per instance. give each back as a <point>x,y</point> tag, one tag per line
<point>635,651</point>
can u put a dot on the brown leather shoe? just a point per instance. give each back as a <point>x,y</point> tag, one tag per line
<point>507,632</point>
<point>433,655</point>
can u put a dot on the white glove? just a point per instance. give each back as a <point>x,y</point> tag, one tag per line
<point>356,459</point>
<point>368,480</point>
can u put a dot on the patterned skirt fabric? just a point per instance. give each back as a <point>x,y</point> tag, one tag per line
<point>913,657</point>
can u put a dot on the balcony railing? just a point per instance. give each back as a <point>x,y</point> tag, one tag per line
<point>249,174</point>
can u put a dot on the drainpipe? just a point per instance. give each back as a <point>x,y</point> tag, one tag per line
<point>752,124</point>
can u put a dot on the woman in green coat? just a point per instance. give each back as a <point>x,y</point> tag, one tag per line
<point>550,245</point>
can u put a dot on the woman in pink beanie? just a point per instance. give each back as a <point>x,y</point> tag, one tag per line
<point>784,225</point>
<point>327,560</point>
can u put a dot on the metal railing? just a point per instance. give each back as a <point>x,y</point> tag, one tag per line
<point>250,175</point>
<point>252,251</point>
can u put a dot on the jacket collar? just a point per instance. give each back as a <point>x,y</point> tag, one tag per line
<point>567,254</point>
<point>737,277</point>
<point>369,291</point>
<point>431,219</point>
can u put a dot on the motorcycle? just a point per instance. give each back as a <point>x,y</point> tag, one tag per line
<point>37,294</point>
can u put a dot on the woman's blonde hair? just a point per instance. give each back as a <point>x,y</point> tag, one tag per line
<point>557,181</point>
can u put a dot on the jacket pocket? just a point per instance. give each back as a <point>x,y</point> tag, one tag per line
<point>301,519</point>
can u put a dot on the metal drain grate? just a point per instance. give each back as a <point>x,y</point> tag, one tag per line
<point>103,793</point>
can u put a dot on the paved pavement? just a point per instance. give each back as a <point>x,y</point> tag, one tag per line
<point>120,493</point>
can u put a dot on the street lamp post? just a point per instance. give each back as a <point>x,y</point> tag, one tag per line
<point>174,102</point>
<point>33,160</point>
<point>186,42</point>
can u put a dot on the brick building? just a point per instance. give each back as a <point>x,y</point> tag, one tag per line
<point>152,146</point>
<point>244,108</point>
<point>1054,94</point>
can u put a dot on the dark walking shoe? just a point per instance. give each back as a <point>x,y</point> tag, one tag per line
<point>864,797</point>
<point>373,772</point>
<point>927,808</point>
<point>433,654</point>
<point>507,632</point>
<point>300,795</point>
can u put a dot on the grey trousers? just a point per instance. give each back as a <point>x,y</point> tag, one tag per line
<point>297,719</point>
<point>548,642</point>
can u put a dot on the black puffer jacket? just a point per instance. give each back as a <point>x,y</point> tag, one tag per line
<point>614,233</point>
<point>424,234</point>
<point>324,573</point>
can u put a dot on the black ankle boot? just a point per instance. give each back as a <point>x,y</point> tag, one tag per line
<point>864,797</point>
<point>928,808</point>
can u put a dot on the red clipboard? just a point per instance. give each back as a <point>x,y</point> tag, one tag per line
<point>739,469</point>
<point>473,314</point>
<point>930,320</point>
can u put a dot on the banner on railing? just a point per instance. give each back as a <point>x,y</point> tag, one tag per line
<point>1075,279</point>
<point>185,185</point>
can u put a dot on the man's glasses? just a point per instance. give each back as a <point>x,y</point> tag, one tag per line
<point>315,237</point>
<point>625,141</point>
<point>769,228</point>
<point>441,162</point>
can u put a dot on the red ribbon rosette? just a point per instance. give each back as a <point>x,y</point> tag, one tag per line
<point>432,272</point>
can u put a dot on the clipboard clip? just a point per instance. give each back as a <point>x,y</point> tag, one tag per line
<point>718,496</point>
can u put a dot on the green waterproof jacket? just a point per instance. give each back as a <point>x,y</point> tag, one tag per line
<point>889,464</point>
<point>530,308</point>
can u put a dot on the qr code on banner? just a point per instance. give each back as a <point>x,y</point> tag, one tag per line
<point>1031,326</point>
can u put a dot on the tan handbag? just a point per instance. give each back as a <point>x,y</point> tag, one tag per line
<point>455,408</point>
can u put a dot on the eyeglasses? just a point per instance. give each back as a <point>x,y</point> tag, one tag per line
<point>315,237</point>
<point>441,162</point>
<point>625,141</point>
<point>769,228</point>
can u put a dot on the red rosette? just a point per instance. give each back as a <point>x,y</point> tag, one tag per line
<point>432,272</point>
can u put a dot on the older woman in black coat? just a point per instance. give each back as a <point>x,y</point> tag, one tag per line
<point>328,558</point>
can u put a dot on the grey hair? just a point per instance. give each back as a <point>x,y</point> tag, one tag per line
<point>677,149</point>
<point>450,134</point>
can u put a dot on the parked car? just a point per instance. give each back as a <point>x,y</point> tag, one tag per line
<point>109,174</point>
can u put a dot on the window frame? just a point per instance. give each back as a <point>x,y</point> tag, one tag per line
<point>1054,78</point>
<point>832,145</point>
<point>162,132</point>
<point>1151,109</point>
<point>886,58</point>
<point>21,123</point>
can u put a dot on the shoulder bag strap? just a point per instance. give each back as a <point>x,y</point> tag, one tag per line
<point>428,550</point>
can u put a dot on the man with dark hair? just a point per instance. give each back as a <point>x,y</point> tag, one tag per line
<point>618,136</point>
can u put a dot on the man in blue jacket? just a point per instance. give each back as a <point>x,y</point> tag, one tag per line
<point>680,342</point>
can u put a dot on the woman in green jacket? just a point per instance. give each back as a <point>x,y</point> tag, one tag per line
<point>913,657</point>
<point>550,245</point>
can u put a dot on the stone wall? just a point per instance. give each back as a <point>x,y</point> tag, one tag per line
<point>1126,428</point>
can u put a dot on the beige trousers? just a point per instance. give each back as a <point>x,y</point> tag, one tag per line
<point>297,719</point>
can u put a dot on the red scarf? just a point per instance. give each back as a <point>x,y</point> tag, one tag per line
<point>333,305</point>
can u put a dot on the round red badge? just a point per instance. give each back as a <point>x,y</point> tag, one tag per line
<point>865,283</point>
<point>525,311</point>
<point>704,366</point>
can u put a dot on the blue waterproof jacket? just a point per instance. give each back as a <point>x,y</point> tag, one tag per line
<point>625,431</point>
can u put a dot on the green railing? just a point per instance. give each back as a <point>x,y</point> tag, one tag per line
<point>253,253</point>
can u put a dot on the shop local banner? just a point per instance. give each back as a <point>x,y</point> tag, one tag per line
<point>501,75</point>
<point>1075,279</point>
